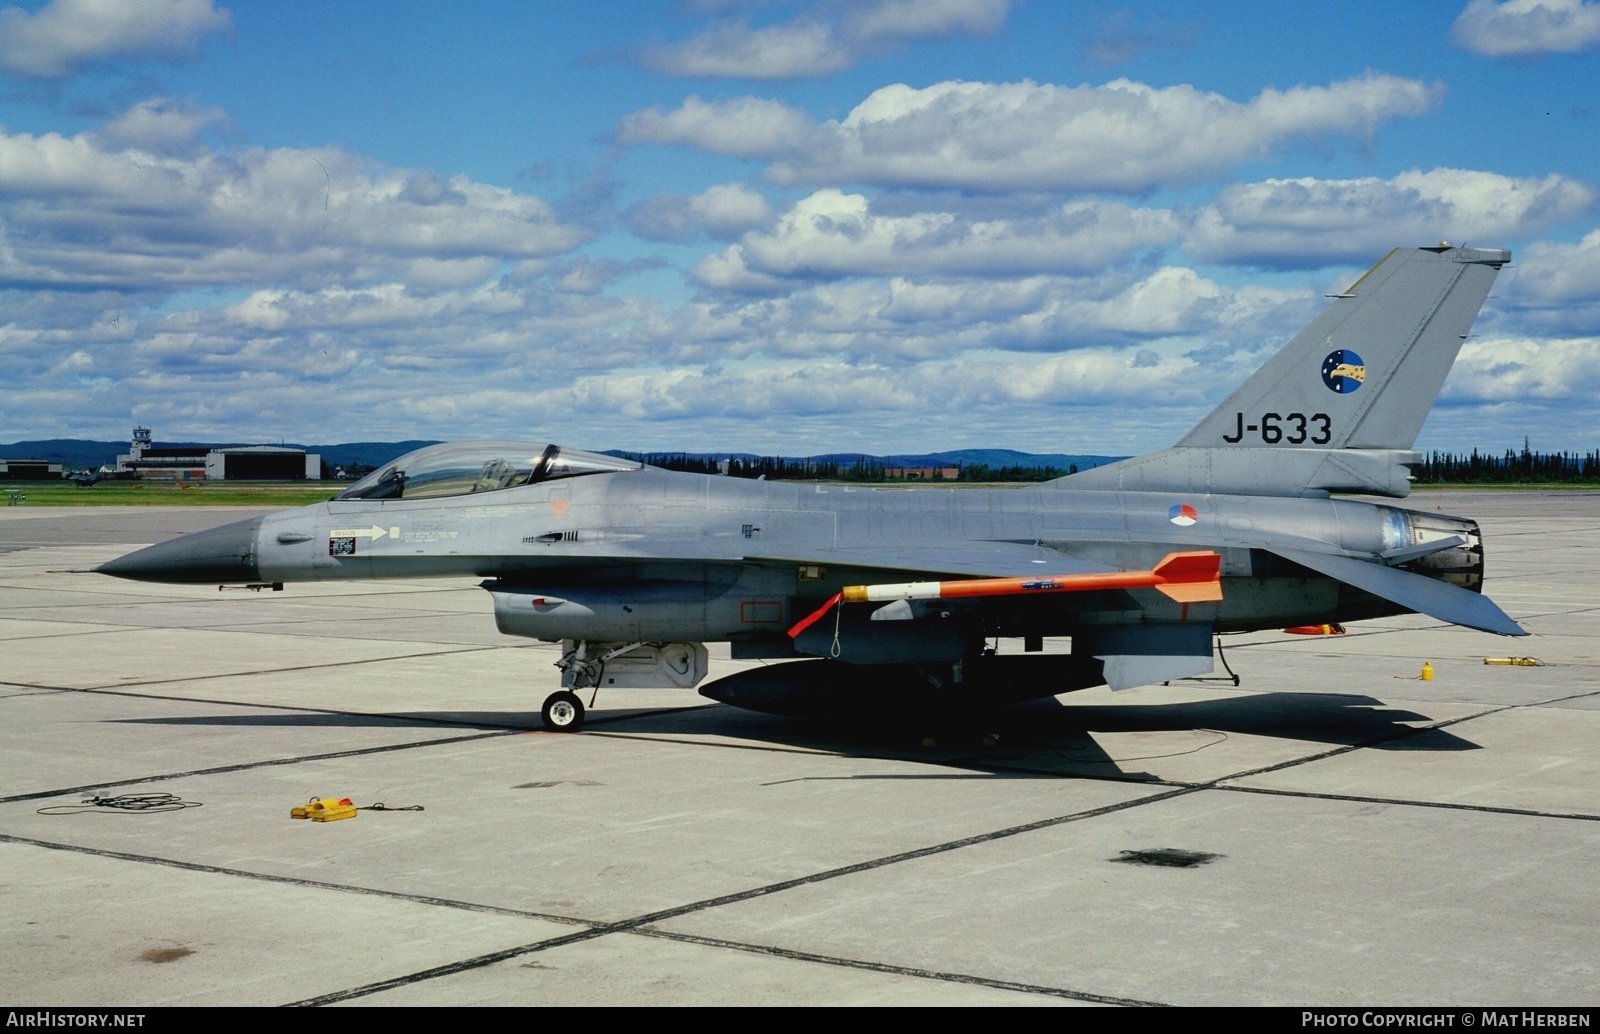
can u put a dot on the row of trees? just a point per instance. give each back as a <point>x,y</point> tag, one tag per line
<point>864,469</point>
<point>1513,467</point>
<point>773,468</point>
<point>984,472</point>
<point>1525,467</point>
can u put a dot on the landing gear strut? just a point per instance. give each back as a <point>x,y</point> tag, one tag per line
<point>562,712</point>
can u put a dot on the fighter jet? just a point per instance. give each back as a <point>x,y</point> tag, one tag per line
<point>939,598</point>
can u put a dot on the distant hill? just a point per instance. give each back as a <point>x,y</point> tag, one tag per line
<point>365,454</point>
<point>69,452</point>
<point>956,457</point>
<point>987,457</point>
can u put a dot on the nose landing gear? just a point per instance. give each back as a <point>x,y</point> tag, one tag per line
<point>562,712</point>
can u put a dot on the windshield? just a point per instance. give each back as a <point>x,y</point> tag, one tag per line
<point>464,468</point>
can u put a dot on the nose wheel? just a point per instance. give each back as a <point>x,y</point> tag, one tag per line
<point>562,712</point>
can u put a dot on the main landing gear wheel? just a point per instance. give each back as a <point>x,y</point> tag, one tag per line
<point>563,712</point>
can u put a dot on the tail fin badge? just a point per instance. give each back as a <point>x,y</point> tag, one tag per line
<point>1343,371</point>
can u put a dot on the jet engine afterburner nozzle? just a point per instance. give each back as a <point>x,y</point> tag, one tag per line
<point>1459,565</point>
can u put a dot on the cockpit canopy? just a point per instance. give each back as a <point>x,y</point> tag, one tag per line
<point>464,468</point>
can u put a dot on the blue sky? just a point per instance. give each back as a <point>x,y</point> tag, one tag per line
<point>780,227</point>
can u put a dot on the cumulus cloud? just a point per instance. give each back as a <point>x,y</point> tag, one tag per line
<point>383,359</point>
<point>814,45</point>
<point>723,212</point>
<point>1123,136</point>
<point>1524,28</point>
<point>913,19</point>
<point>1091,399</point>
<point>339,298</point>
<point>67,35</point>
<point>802,48</point>
<point>1080,402</point>
<point>920,318</point>
<point>1173,301</point>
<point>1555,274</point>
<point>1009,359</point>
<point>867,393</point>
<point>832,234</point>
<point>747,127</point>
<point>88,210</point>
<point>590,276</point>
<point>1551,288</point>
<point>431,274</point>
<point>161,126</point>
<point>1310,223</point>
<point>1496,370</point>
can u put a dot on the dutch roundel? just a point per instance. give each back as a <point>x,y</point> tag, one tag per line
<point>1183,515</point>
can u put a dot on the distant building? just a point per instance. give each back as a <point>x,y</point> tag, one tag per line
<point>29,470</point>
<point>216,462</point>
<point>924,473</point>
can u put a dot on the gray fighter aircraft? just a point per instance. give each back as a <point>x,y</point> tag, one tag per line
<point>898,597</point>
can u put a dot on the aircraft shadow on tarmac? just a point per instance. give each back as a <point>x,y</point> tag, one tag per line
<point>1044,737</point>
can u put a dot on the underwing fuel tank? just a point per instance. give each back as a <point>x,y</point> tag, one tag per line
<point>820,688</point>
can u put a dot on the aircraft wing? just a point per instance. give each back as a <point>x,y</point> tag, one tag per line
<point>1412,591</point>
<point>970,559</point>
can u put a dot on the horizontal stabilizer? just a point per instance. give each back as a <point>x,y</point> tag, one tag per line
<point>1412,591</point>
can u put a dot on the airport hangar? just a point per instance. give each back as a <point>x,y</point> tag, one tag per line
<point>145,460</point>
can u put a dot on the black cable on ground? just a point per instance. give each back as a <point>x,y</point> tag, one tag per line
<point>140,802</point>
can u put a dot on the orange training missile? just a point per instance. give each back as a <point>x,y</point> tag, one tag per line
<point>1183,577</point>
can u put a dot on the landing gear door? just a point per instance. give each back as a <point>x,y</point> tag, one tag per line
<point>644,666</point>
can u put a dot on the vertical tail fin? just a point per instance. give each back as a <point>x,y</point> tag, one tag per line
<point>1372,362</point>
<point>1339,406</point>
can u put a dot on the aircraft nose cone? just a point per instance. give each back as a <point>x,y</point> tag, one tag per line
<point>225,554</point>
